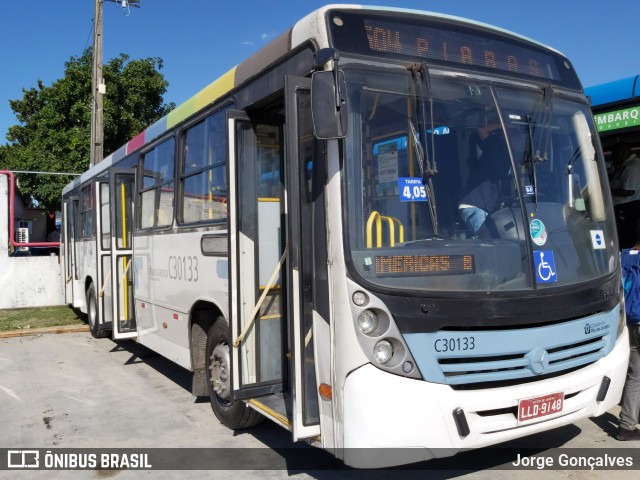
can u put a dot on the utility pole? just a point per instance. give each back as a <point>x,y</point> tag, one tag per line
<point>98,89</point>
<point>97,81</point>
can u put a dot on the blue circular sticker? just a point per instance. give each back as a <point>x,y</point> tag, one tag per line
<point>538,232</point>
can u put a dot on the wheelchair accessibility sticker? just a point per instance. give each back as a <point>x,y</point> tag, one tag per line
<point>545,266</point>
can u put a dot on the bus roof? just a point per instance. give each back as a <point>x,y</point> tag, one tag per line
<point>307,28</point>
<point>620,90</point>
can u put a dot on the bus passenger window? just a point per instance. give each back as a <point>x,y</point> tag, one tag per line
<point>86,211</point>
<point>158,188</point>
<point>204,172</point>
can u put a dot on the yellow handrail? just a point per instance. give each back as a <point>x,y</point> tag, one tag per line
<point>374,216</point>
<point>391,221</point>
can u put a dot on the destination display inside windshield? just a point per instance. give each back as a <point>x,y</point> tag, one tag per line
<point>424,264</point>
<point>449,42</point>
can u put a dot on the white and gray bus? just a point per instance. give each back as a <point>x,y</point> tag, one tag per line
<point>386,229</point>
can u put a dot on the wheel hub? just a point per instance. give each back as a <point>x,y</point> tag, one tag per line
<point>219,375</point>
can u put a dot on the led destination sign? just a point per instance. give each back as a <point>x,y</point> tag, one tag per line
<point>424,264</point>
<point>450,42</point>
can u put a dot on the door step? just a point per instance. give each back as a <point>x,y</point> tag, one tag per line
<point>272,407</point>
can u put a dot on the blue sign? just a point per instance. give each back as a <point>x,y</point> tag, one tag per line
<point>443,130</point>
<point>545,266</point>
<point>411,189</point>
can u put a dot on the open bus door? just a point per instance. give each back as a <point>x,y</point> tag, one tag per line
<point>122,187</point>
<point>307,260</point>
<point>70,210</point>
<point>271,314</point>
<point>257,299</point>
<point>103,248</point>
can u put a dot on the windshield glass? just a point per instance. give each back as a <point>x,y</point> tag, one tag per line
<point>456,185</point>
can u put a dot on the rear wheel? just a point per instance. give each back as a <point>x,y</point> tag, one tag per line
<point>92,314</point>
<point>233,414</point>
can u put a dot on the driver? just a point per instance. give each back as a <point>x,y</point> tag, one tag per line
<point>487,176</point>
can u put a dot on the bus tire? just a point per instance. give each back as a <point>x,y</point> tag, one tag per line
<point>92,314</point>
<point>235,415</point>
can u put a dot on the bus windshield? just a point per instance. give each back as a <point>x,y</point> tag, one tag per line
<point>471,186</point>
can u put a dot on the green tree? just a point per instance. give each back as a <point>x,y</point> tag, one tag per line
<point>55,121</point>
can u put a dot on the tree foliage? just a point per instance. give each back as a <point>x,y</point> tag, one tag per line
<point>55,121</point>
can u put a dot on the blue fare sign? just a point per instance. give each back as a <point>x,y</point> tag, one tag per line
<point>545,266</point>
<point>411,189</point>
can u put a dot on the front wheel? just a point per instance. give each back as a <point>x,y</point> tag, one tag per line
<point>233,414</point>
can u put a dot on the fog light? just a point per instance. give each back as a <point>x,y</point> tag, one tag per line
<point>407,367</point>
<point>367,322</point>
<point>383,351</point>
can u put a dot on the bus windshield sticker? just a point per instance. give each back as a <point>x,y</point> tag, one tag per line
<point>538,232</point>
<point>597,239</point>
<point>411,189</point>
<point>545,266</point>
<point>387,172</point>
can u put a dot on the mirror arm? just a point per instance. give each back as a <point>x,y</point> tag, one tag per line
<point>321,58</point>
<point>324,56</point>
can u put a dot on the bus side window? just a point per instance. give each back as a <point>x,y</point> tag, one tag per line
<point>204,172</point>
<point>86,211</point>
<point>158,187</point>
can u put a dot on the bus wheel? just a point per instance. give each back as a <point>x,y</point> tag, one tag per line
<point>235,415</point>
<point>92,314</point>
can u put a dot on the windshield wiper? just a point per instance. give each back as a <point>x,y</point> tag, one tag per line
<point>539,153</point>
<point>545,125</point>
<point>530,161</point>
<point>425,159</point>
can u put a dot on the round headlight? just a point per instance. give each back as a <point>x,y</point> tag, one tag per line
<point>359,298</point>
<point>367,322</point>
<point>383,351</point>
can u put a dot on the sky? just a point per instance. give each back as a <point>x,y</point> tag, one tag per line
<point>199,40</point>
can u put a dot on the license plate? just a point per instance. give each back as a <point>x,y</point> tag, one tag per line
<point>530,408</point>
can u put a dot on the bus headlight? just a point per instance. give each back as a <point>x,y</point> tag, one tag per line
<point>383,351</point>
<point>379,337</point>
<point>367,322</point>
<point>359,298</point>
<point>622,320</point>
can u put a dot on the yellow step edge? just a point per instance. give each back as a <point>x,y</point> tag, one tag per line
<point>269,412</point>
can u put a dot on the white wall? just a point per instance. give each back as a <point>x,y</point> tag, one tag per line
<point>25,281</point>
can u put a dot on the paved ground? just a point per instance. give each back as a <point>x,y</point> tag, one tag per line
<point>71,391</point>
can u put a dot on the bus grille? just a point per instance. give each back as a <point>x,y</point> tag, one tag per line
<point>465,370</point>
<point>508,355</point>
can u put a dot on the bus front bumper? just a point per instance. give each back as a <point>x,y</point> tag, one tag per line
<point>391,420</point>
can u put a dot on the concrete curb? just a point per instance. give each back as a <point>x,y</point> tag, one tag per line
<point>44,331</point>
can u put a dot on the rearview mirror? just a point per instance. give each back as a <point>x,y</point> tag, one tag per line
<point>329,105</point>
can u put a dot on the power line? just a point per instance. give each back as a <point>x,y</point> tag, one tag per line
<point>46,173</point>
<point>88,36</point>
